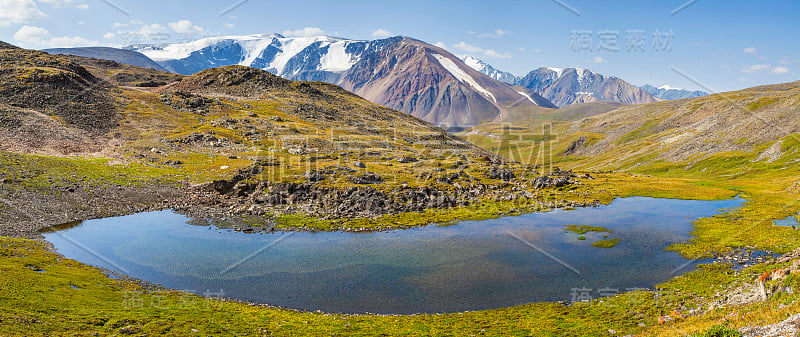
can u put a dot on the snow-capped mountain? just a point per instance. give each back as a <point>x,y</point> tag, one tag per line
<point>667,92</point>
<point>565,86</point>
<point>399,72</point>
<point>488,70</point>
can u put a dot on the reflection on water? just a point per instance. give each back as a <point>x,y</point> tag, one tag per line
<point>470,266</point>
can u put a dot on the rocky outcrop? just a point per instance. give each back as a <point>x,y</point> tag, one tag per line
<point>576,145</point>
<point>243,194</point>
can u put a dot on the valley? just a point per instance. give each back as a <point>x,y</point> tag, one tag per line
<point>230,150</point>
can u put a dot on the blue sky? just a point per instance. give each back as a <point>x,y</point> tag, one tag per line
<point>720,45</point>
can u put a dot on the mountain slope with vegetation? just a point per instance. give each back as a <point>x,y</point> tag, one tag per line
<point>237,141</point>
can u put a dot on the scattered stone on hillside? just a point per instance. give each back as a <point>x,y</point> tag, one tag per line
<point>789,327</point>
<point>367,178</point>
<point>576,145</point>
<point>359,164</point>
<point>772,153</point>
<point>449,178</point>
<point>407,159</point>
<point>500,173</point>
<point>173,162</point>
<point>314,176</point>
<point>541,182</point>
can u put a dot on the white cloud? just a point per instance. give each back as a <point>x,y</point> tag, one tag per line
<point>19,11</point>
<point>751,50</point>
<point>308,31</point>
<point>597,60</point>
<point>463,46</point>
<point>66,3</point>
<point>757,68</point>
<point>57,2</point>
<point>495,54</point>
<point>31,34</point>
<point>780,70</point>
<point>185,27</point>
<point>382,34</point>
<point>40,37</point>
<point>468,48</point>
<point>135,32</point>
<point>229,25</point>
<point>496,34</point>
<point>440,44</point>
<point>151,29</point>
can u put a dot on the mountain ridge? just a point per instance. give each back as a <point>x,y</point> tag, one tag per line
<point>666,92</point>
<point>399,72</point>
<point>566,86</point>
<point>107,53</point>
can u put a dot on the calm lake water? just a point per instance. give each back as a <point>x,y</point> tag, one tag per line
<point>469,266</point>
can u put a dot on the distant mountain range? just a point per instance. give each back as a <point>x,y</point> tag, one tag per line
<point>667,93</point>
<point>399,72</point>
<point>106,53</point>
<point>566,86</point>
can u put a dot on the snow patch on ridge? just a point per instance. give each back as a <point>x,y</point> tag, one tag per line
<point>581,74</point>
<point>528,97</point>
<point>292,47</point>
<point>183,50</point>
<point>461,75</point>
<point>558,71</point>
<point>337,59</point>
<point>474,63</point>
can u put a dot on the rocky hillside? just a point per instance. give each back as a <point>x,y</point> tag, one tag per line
<point>106,53</point>
<point>4,45</point>
<point>399,72</point>
<point>733,132</point>
<point>761,119</point>
<point>240,140</point>
<point>51,102</point>
<point>577,85</point>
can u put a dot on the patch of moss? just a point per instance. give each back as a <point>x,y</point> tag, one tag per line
<point>606,243</point>
<point>583,229</point>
